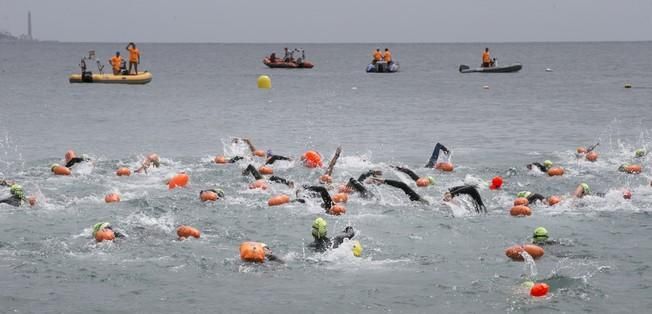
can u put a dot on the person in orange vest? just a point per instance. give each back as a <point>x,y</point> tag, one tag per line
<point>134,57</point>
<point>116,62</point>
<point>387,56</point>
<point>378,56</point>
<point>486,59</point>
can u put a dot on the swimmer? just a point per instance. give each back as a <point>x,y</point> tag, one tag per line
<point>327,201</point>
<point>532,197</point>
<point>420,181</point>
<point>581,151</point>
<point>322,242</point>
<point>640,153</point>
<point>540,237</point>
<point>547,164</point>
<point>435,155</point>
<point>151,160</point>
<point>357,186</point>
<point>271,158</point>
<point>630,168</point>
<point>256,174</point>
<point>583,189</point>
<point>251,252</point>
<point>72,159</point>
<point>17,197</point>
<point>404,187</point>
<point>469,190</point>
<point>326,178</point>
<point>218,192</point>
<point>100,226</point>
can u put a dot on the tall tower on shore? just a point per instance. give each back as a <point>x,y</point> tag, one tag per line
<point>29,25</point>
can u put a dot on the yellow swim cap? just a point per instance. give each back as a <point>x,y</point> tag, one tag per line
<point>357,248</point>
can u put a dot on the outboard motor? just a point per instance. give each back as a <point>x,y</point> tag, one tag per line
<point>87,77</point>
<point>381,66</point>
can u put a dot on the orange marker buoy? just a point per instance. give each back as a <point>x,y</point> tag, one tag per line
<point>534,250</point>
<point>258,184</point>
<point>219,160</point>
<point>553,199</point>
<point>592,156</point>
<point>187,231</point>
<point>311,159</point>
<point>104,235</point>
<point>633,169</point>
<point>123,171</point>
<point>259,153</point>
<point>70,155</point>
<point>423,182</point>
<point>337,210</point>
<point>556,171</point>
<point>341,198</point>
<point>208,196</point>
<point>514,252</point>
<point>444,166</point>
<point>520,211</point>
<point>521,201</point>
<point>179,180</point>
<point>581,150</point>
<point>112,198</point>
<point>539,290</point>
<point>326,179</point>
<point>252,252</point>
<point>266,170</point>
<point>278,200</point>
<point>345,189</point>
<point>60,170</point>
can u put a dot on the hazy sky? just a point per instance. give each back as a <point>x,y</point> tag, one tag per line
<point>330,20</point>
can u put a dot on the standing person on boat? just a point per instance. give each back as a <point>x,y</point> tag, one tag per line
<point>486,59</point>
<point>286,57</point>
<point>134,57</point>
<point>387,56</point>
<point>378,56</point>
<point>115,62</point>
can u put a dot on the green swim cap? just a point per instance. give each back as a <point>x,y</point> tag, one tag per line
<point>219,192</point>
<point>17,190</point>
<point>540,234</point>
<point>99,226</point>
<point>319,228</point>
<point>586,188</point>
<point>523,194</point>
<point>53,166</point>
<point>431,179</point>
<point>547,163</point>
<point>622,167</point>
<point>640,152</point>
<point>357,248</point>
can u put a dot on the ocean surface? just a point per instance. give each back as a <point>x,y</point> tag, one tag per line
<point>436,258</point>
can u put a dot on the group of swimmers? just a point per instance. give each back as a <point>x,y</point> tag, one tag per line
<point>332,204</point>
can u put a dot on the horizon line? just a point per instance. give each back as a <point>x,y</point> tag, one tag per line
<point>344,42</point>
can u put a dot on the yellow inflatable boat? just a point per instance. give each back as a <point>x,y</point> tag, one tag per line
<point>88,77</point>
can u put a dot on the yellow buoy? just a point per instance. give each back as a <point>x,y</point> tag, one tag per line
<point>357,248</point>
<point>264,82</point>
<point>628,85</point>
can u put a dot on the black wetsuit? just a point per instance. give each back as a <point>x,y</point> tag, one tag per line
<point>75,161</point>
<point>271,159</point>
<point>357,185</point>
<point>435,155</point>
<point>407,171</point>
<point>538,165</point>
<point>12,200</point>
<point>326,198</point>
<point>401,185</point>
<point>472,192</point>
<point>235,159</point>
<point>535,197</point>
<point>323,244</point>
<point>254,172</point>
